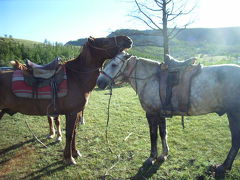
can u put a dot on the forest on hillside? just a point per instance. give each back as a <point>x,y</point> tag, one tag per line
<point>42,53</point>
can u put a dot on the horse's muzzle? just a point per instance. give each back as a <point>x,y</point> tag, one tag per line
<point>102,83</point>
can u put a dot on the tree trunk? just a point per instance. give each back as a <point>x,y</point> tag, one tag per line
<point>165,30</point>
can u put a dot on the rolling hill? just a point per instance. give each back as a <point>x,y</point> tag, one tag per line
<point>223,36</point>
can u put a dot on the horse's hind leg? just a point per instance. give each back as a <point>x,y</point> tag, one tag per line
<point>51,128</point>
<point>153,128</point>
<point>234,124</point>
<point>59,132</point>
<point>8,111</point>
<point>163,135</point>
<point>82,119</point>
<point>2,114</point>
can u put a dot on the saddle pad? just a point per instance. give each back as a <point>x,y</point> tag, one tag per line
<point>21,89</point>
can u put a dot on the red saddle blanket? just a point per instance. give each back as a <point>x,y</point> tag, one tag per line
<point>21,89</point>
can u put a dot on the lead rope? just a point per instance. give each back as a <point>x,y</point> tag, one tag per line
<point>183,126</point>
<point>38,140</point>
<point>108,115</point>
<point>118,156</point>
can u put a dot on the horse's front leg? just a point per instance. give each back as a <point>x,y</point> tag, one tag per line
<point>163,135</point>
<point>153,128</point>
<point>70,138</point>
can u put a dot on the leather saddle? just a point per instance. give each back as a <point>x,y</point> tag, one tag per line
<point>38,76</point>
<point>44,71</point>
<point>175,82</point>
<point>176,65</point>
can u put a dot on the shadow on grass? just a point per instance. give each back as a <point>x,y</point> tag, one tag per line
<point>146,171</point>
<point>15,146</point>
<point>46,171</point>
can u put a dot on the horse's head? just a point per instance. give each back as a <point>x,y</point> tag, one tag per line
<point>114,71</point>
<point>106,48</point>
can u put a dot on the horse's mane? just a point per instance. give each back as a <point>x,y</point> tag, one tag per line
<point>147,61</point>
<point>83,58</point>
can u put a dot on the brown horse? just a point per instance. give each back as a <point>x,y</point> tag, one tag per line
<point>82,73</point>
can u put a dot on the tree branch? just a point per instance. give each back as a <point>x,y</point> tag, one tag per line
<point>139,8</point>
<point>149,8</point>
<point>159,4</point>
<point>145,22</point>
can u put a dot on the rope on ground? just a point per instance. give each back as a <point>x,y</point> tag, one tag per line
<point>38,140</point>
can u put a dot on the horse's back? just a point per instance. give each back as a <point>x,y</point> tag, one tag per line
<point>215,89</point>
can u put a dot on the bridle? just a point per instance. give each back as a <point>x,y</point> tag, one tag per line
<point>127,75</point>
<point>119,73</point>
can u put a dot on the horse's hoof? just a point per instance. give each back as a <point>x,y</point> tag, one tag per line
<point>82,121</point>
<point>70,161</point>
<point>50,136</point>
<point>59,139</point>
<point>149,162</point>
<point>162,158</point>
<point>219,171</point>
<point>76,154</point>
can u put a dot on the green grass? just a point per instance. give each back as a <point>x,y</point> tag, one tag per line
<point>204,141</point>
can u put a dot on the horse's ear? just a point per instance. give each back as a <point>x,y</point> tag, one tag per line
<point>168,57</point>
<point>90,39</point>
<point>127,56</point>
<point>192,59</point>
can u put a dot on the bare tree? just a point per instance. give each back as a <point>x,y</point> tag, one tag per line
<point>162,14</point>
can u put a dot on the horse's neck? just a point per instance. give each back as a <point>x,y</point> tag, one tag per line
<point>84,71</point>
<point>142,71</point>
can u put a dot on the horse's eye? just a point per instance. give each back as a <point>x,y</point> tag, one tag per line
<point>114,65</point>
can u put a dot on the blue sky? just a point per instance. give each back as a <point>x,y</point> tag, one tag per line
<point>64,20</point>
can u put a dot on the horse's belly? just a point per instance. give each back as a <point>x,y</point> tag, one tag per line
<point>215,89</point>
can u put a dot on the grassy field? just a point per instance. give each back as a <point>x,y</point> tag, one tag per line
<point>205,141</point>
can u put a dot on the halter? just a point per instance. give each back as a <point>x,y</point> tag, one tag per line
<point>128,75</point>
<point>120,72</point>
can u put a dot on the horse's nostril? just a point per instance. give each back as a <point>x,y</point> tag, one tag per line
<point>101,84</point>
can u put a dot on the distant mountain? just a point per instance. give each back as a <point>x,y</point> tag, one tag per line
<point>223,36</point>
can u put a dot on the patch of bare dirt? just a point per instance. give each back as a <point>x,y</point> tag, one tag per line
<point>22,158</point>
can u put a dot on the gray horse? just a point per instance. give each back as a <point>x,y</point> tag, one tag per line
<point>214,89</point>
